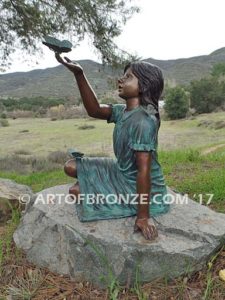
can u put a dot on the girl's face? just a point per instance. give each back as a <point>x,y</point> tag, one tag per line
<point>128,85</point>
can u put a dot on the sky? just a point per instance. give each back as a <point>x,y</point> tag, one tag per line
<point>164,29</point>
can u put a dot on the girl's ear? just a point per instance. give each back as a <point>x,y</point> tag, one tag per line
<point>142,90</point>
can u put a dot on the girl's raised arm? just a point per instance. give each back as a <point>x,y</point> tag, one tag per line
<point>90,101</point>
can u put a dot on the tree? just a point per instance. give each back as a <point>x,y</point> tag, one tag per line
<point>207,94</point>
<point>218,70</point>
<point>24,23</point>
<point>177,103</point>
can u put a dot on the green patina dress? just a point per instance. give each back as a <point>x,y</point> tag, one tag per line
<point>135,130</point>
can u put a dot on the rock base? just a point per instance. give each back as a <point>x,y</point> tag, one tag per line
<point>53,237</point>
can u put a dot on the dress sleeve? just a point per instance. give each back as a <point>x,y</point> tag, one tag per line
<point>117,111</point>
<point>144,135</point>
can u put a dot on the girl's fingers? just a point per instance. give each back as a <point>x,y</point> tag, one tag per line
<point>136,228</point>
<point>145,233</point>
<point>67,59</point>
<point>153,231</point>
<point>149,234</point>
<point>156,232</point>
<point>59,58</point>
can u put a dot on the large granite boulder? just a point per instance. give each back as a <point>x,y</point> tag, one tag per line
<point>52,236</point>
<point>12,195</point>
<point>11,190</point>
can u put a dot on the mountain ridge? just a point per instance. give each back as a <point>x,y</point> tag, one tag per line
<point>58,82</point>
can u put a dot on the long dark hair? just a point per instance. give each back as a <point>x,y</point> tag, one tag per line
<point>151,82</point>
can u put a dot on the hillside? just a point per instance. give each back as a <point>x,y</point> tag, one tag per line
<point>53,82</point>
<point>58,82</point>
<point>184,70</point>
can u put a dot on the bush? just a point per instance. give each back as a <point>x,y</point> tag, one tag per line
<point>99,154</point>
<point>4,123</point>
<point>3,116</point>
<point>21,114</point>
<point>85,126</point>
<point>72,112</point>
<point>207,95</point>
<point>28,164</point>
<point>30,104</point>
<point>16,164</point>
<point>58,157</point>
<point>22,152</point>
<point>177,103</point>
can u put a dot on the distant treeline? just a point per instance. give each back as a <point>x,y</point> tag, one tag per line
<point>29,104</point>
<point>200,96</point>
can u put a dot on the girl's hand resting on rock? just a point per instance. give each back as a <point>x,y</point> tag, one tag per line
<point>147,227</point>
<point>72,66</point>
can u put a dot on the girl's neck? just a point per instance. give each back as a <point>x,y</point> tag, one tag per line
<point>132,103</point>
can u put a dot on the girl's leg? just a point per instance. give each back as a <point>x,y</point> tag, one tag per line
<point>70,168</point>
<point>75,191</point>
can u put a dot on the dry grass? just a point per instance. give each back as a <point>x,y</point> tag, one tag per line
<point>40,136</point>
<point>21,280</point>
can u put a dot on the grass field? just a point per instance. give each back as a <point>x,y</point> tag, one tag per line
<point>42,136</point>
<point>193,162</point>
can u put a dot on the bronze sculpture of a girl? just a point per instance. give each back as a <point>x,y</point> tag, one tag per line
<point>136,170</point>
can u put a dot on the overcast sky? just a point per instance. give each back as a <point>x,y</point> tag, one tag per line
<point>164,29</point>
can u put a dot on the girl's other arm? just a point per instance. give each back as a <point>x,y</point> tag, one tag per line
<point>143,221</point>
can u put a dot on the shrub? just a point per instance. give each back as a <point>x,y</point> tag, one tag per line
<point>27,164</point>
<point>99,154</point>
<point>3,116</point>
<point>4,123</point>
<point>177,103</point>
<point>85,126</point>
<point>58,157</point>
<point>15,163</point>
<point>24,131</point>
<point>21,114</point>
<point>207,94</point>
<point>72,112</point>
<point>22,152</point>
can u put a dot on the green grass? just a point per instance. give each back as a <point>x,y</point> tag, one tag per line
<point>41,180</point>
<point>189,172</point>
<point>186,171</point>
<point>6,240</point>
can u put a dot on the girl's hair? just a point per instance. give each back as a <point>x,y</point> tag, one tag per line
<point>150,80</point>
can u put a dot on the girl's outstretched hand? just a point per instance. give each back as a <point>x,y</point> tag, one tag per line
<point>147,227</point>
<point>73,67</point>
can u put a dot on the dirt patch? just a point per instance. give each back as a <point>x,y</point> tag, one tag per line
<point>212,149</point>
<point>212,124</point>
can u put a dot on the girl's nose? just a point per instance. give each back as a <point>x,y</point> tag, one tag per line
<point>120,80</point>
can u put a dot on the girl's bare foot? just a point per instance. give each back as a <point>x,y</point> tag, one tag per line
<point>74,192</point>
